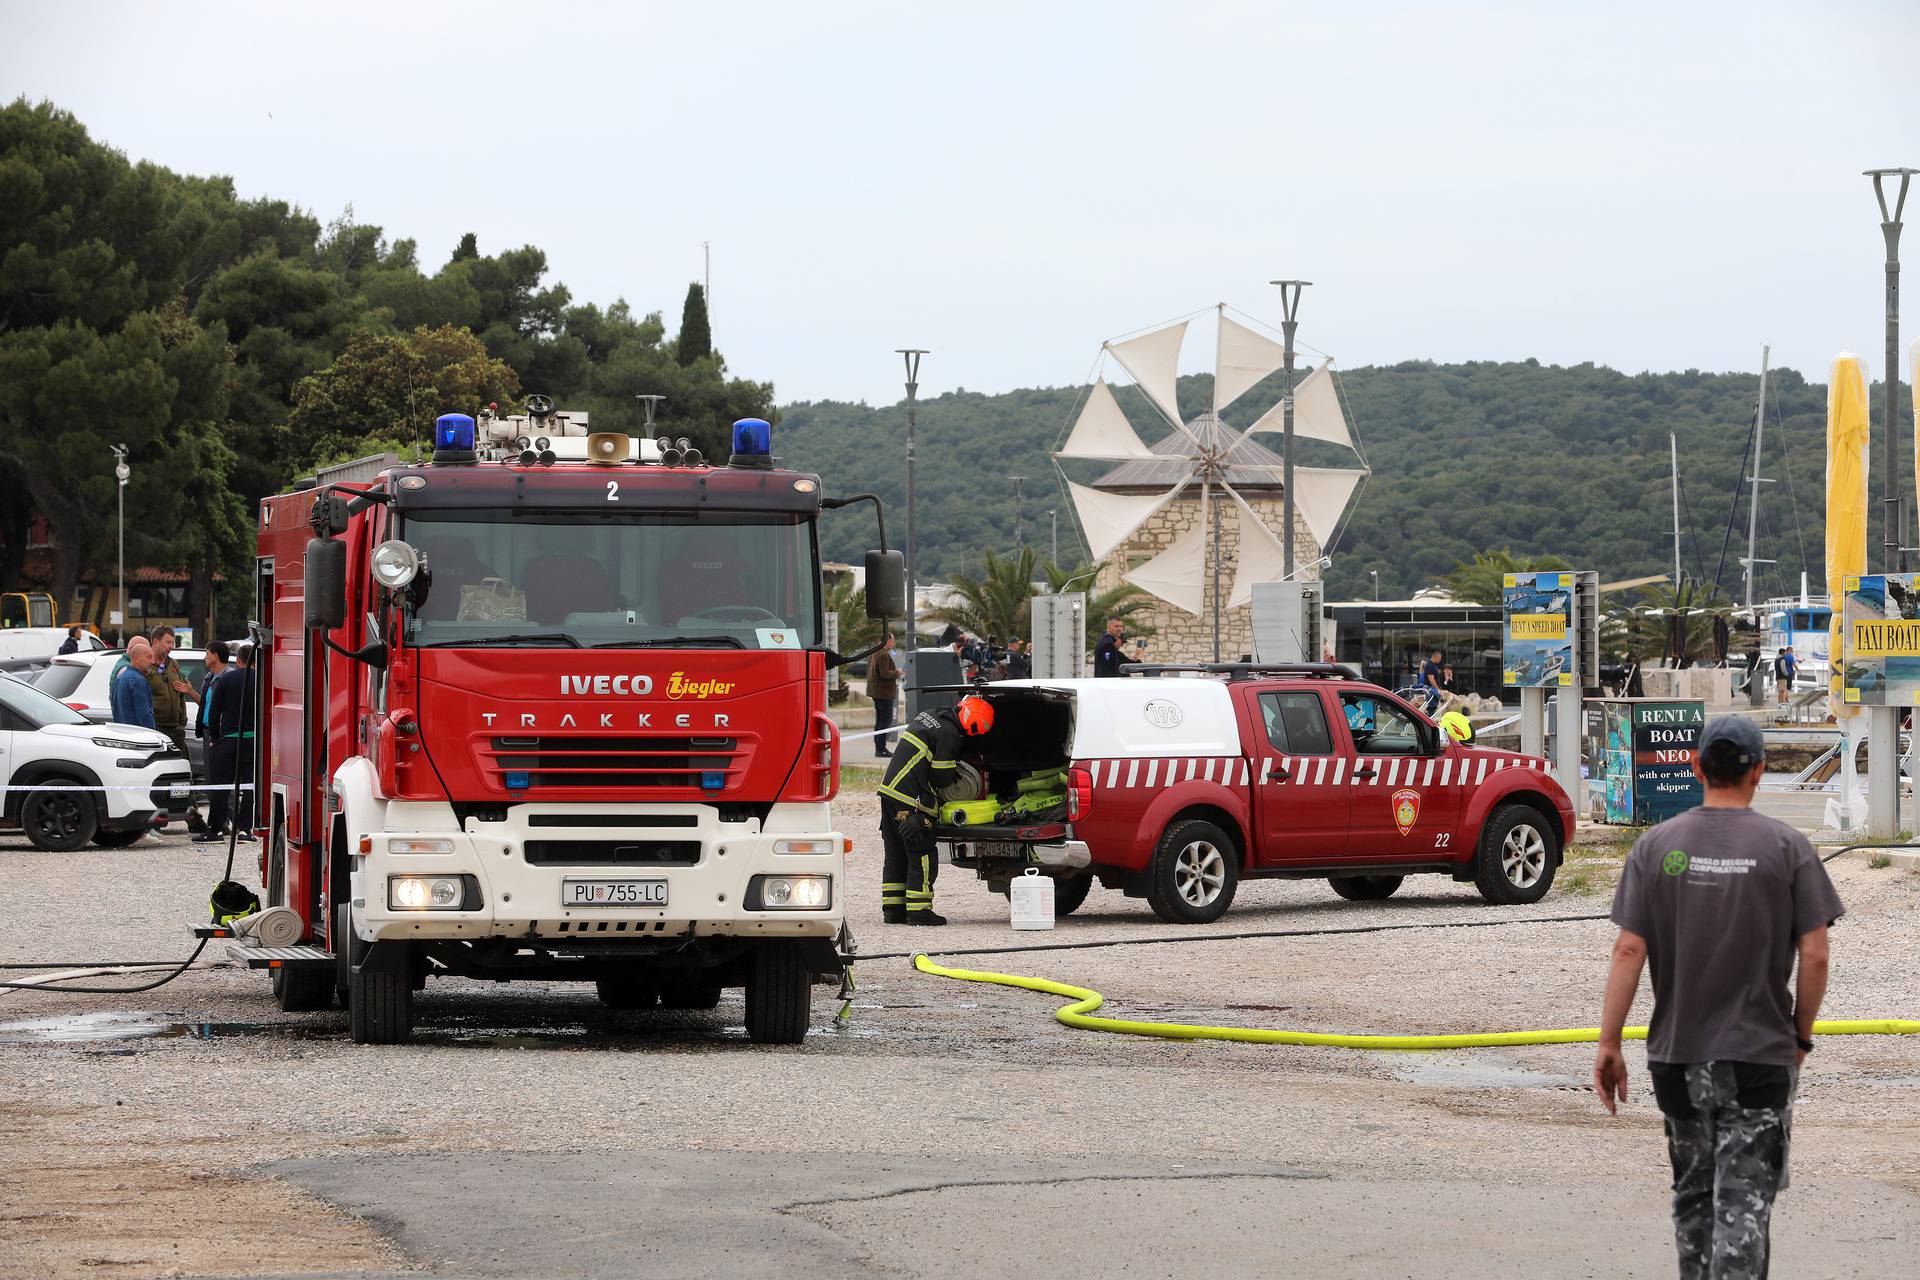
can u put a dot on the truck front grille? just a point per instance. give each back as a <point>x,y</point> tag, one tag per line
<point>533,763</point>
<point>613,853</point>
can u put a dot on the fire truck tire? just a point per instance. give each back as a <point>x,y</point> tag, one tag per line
<point>779,995</point>
<point>1069,892</point>
<point>343,944</point>
<point>1518,854</point>
<point>380,1004</point>
<point>57,820</point>
<point>1193,874</point>
<point>1366,888</point>
<point>625,992</point>
<point>302,990</point>
<point>689,993</point>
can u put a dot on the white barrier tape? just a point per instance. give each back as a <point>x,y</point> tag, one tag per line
<point>158,786</point>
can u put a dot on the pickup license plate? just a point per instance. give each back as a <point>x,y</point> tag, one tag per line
<point>998,849</point>
<point>613,893</point>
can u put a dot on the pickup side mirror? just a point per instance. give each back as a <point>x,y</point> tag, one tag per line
<point>324,584</point>
<point>886,584</point>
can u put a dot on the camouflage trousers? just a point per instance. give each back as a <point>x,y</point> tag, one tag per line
<point>1728,1125</point>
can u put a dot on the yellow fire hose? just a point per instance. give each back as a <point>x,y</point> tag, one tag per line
<point>1079,1015</point>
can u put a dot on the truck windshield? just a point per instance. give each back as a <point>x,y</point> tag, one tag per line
<point>736,580</point>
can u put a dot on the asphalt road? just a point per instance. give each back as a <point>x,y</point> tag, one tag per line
<point>947,1129</point>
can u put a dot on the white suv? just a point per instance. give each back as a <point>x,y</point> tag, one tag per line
<point>50,755</point>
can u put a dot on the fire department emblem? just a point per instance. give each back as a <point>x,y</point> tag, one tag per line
<point>1406,810</point>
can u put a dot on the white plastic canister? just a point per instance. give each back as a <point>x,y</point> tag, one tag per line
<point>1031,896</point>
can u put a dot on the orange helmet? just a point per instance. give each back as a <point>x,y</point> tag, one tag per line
<point>975,715</point>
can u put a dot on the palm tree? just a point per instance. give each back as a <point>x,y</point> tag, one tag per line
<point>857,630</point>
<point>998,600</point>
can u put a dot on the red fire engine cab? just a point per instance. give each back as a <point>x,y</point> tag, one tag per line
<point>553,706</point>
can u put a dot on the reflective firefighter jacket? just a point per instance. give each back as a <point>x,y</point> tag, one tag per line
<point>924,761</point>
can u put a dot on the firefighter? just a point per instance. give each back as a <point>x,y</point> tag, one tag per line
<point>923,764</point>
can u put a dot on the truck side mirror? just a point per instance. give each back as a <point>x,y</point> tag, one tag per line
<point>324,584</point>
<point>886,584</point>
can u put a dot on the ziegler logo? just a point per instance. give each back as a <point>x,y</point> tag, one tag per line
<point>1406,810</point>
<point>639,686</point>
<point>678,686</point>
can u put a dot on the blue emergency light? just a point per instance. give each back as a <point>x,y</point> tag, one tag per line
<point>453,438</point>
<point>752,444</point>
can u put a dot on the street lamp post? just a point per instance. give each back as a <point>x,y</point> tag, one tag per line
<point>1894,547</point>
<point>1053,536</point>
<point>1376,585</point>
<point>122,473</point>
<point>1290,312</point>
<point>912,356</point>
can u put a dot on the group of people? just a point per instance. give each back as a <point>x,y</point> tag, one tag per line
<point>148,689</point>
<point>979,659</point>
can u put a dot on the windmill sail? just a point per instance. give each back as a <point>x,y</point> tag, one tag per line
<point>1108,518</point>
<point>1243,359</point>
<point>1102,430</point>
<point>1262,558</point>
<point>1316,410</point>
<point>1177,574</point>
<point>1154,361</point>
<point>1320,495</point>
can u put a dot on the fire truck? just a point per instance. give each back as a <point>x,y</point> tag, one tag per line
<point>552,706</point>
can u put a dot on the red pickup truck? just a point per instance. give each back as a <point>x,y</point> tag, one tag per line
<point>1180,785</point>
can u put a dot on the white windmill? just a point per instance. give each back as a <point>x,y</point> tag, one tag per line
<point>1208,454</point>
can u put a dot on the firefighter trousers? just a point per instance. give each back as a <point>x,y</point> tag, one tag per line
<point>912,863</point>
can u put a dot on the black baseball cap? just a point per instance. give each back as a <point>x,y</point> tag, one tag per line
<point>1743,733</point>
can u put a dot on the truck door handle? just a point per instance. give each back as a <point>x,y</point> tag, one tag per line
<point>1366,772</point>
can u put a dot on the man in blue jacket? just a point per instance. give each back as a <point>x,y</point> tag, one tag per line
<point>131,697</point>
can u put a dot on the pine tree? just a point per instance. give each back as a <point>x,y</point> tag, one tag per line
<point>696,337</point>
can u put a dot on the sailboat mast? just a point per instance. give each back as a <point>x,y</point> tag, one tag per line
<point>1673,447</point>
<point>1753,498</point>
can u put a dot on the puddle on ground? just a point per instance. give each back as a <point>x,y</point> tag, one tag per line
<point>642,1032</point>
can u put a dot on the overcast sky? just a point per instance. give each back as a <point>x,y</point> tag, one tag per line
<point>1644,186</point>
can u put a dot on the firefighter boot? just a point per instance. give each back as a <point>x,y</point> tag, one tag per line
<point>926,916</point>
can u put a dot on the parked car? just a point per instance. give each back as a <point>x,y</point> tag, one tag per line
<point>83,681</point>
<point>1177,788</point>
<point>51,754</point>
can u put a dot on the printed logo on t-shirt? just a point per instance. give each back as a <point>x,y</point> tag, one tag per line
<point>1675,862</point>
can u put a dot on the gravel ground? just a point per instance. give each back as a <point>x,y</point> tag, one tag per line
<point>198,1085</point>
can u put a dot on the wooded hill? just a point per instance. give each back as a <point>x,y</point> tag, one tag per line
<point>1538,459</point>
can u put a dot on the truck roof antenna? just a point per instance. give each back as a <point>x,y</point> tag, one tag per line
<point>649,403</point>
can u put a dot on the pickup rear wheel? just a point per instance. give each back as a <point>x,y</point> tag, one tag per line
<point>1365,888</point>
<point>1194,873</point>
<point>1518,855</point>
<point>1069,892</point>
<point>779,995</point>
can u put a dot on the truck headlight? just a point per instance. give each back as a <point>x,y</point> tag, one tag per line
<point>432,893</point>
<point>804,846</point>
<point>790,893</point>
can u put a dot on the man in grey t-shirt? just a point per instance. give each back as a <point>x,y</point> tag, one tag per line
<point>1721,901</point>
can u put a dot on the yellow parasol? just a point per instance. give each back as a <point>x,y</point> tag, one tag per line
<point>1846,503</point>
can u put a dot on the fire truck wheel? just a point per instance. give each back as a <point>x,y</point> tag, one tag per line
<point>626,992</point>
<point>1194,873</point>
<point>380,1005</point>
<point>302,990</point>
<point>57,820</point>
<point>343,944</point>
<point>1365,888</point>
<point>1069,892</point>
<point>779,995</point>
<point>1519,852</point>
<point>689,993</point>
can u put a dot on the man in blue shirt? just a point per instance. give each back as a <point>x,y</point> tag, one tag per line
<point>1785,668</point>
<point>131,697</point>
<point>1430,680</point>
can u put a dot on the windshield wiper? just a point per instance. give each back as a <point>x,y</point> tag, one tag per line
<point>559,638</point>
<point>730,642</point>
